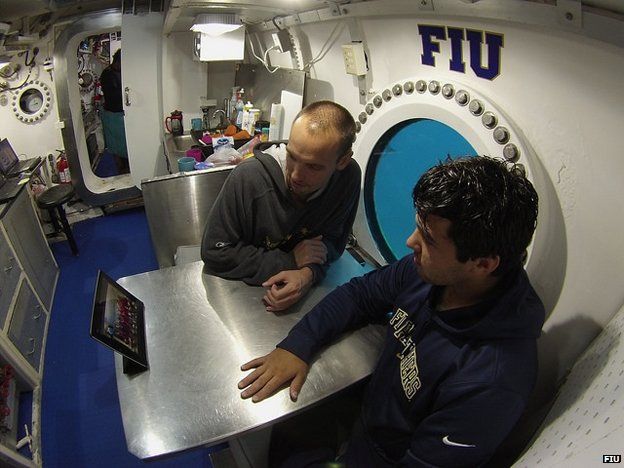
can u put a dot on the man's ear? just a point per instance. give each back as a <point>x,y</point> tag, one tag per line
<point>486,265</point>
<point>343,161</point>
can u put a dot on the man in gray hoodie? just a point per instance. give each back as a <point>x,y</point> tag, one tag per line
<point>282,218</point>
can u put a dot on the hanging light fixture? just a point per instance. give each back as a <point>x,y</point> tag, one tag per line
<point>216,24</point>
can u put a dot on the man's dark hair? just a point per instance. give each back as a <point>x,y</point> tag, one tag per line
<point>117,56</point>
<point>492,207</point>
<point>328,116</point>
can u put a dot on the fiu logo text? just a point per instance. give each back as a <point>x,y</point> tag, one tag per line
<point>403,328</point>
<point>455,37</point>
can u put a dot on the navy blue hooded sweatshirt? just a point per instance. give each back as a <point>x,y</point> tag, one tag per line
<point>449,386</point>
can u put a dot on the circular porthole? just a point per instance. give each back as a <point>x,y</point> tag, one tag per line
<point>397,161</point>
<point>410,133</point>
<point>32,103</point>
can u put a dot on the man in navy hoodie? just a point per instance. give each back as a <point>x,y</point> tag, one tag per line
<point>459,359</point>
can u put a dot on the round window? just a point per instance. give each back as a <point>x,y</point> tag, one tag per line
<point>396,163</point>
<point>31,101</point>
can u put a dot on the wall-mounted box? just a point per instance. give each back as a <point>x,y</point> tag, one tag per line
<point>227,46</point>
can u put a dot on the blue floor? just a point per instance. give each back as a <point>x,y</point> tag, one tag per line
<point>81,420</point>
<point>106,166</point>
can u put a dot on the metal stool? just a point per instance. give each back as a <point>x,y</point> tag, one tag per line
<point>54,198</point>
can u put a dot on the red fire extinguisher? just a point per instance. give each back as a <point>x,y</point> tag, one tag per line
<point>63,169</point>
<point>97,93</point>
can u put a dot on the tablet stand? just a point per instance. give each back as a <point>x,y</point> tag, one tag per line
<point>131,368</point>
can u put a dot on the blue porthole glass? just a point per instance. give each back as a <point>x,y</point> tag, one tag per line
<point>396,163</point>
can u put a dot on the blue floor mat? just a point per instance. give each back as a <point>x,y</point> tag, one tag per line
<point>81,422</point>
<point>106,166</point>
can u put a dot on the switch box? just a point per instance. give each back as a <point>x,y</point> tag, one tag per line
<point>354,59</point>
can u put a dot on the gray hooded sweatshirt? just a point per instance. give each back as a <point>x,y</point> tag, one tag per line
<point>255,223</point>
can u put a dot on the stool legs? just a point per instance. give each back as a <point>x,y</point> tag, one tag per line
<point>67,229</point>
<point>55,223</point>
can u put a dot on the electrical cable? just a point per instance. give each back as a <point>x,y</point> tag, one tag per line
<point>263,61</point>
<point>275,22</point>
<point>330,41</point>
<point>5,76</point>
<point>32,62</point>
<point>20,86</point>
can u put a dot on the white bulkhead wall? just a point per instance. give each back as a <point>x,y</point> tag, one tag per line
<point>37,138</point>
<point>563,91</point>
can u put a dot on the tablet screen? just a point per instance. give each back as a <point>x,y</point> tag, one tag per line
<point>117,319</point>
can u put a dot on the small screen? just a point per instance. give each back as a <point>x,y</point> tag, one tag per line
<point>118,320</point>
<point>7,156</point>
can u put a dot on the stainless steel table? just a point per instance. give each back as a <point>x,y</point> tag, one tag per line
<point>199,330</point>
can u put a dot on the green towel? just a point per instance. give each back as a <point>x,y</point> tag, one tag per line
<point>114,132</point>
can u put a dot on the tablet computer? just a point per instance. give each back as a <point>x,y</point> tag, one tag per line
<point>117,321</point>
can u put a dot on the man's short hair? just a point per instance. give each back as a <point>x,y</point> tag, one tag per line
<point>328,116</point>
<point>491,204</point>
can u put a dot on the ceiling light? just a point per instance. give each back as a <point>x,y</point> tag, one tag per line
<point>216,24</point>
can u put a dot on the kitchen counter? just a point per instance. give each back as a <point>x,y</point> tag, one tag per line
<point>177,146</point>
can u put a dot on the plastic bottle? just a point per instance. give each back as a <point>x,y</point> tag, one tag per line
<point>239,107</point>
<point>245,120</point>
<point>53,173</point>
<point>232,104</point>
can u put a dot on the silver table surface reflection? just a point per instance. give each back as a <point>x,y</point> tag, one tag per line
<point>199,330</point>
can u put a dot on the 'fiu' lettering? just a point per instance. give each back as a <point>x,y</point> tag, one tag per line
<point>494,44</point>
<point>432,35</point>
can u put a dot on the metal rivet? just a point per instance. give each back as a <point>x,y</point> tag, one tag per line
<point>520,170</point>
<point>377,101</point>
<point>421,86</point>
<point>387,95</point>
<point>408,87</point>
<point>358,127</point>
<point>462,97</point>
<point>501,135</point>
<point>397,90</point>
<point>362,117</point>
<point>475,107</point>
<point>369,108</point>
<point>448,91</point>
<point>489,120</point>
<point>434,87</point>
<point>511,152</point>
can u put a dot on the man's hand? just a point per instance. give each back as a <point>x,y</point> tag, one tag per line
<point>286,288</point>
<point>271,373</point>
<point>310,251</point>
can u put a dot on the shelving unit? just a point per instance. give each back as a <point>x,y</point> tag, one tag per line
<point>28,276</point>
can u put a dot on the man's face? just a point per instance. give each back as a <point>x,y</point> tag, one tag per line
<point>311,159</point>
<point>435,254</point>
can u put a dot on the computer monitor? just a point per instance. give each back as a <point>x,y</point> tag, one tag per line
<point>10,164</point>
<point>117,321</point>
<point>7,156</point>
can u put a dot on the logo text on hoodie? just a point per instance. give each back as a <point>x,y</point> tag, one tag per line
<point>403,328</point>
